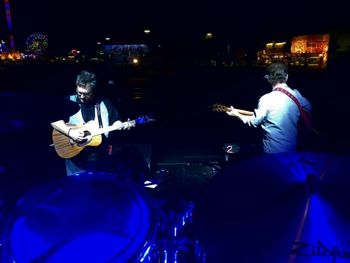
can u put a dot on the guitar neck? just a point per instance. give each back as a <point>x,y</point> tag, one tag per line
<point>240,111</point>
<point>99,131</point>
<point>245,112</point>
<point>224,108</point>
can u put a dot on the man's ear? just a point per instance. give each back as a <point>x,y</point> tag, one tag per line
<point>286,77</point>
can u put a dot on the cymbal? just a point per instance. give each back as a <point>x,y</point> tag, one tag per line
<point>292,207</point>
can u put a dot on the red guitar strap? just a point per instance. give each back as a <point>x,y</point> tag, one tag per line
<point>303,113</point>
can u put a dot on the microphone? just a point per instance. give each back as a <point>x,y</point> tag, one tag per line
<point>266,77</point>
<point>110,82</point>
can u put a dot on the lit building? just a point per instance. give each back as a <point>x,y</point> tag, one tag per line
<point>124,54</point>
<point>274,51</point>
<point>308,51</point>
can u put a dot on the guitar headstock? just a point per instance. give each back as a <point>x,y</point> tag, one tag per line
<point>219,107</point>
<point>144,119</point>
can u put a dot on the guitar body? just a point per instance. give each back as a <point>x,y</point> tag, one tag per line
<point>67,148</point>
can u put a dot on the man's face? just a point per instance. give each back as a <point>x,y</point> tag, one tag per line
<point>85,94</point>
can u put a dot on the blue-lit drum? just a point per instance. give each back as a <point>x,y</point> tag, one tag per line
<point>87,218</point>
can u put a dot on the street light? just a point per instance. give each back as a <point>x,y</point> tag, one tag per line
<point>208,36</point>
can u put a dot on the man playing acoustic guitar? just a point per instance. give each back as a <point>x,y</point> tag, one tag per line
<point>90,126</point>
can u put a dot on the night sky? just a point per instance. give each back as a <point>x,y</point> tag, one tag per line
<point>81,23</point>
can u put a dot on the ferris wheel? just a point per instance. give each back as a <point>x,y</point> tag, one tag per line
<point>37,43</point>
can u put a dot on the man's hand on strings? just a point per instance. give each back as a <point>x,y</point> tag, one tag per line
<point>233,112</point>
<point>123,125</point>
<point>77,135</point>
<point>128,124</point>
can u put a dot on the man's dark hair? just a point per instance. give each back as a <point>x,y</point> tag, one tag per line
<point>277,72</point>
<point>86,78</point>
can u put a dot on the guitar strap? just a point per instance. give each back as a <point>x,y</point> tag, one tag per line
<point>303,113</point>
<point>98,110</point>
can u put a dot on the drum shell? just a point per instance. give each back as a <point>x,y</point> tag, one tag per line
<point>87,218</point>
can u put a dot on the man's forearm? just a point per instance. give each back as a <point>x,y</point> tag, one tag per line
<point>61,127</point>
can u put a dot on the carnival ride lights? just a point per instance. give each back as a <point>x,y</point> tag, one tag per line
<point>9,24</point>
<point>37,43</point>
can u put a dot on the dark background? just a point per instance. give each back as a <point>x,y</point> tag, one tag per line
<point>80,24</point>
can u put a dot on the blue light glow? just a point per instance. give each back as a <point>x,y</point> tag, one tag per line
<point>81,219</point>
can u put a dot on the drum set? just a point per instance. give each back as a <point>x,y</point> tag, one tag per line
<point>95,217</point>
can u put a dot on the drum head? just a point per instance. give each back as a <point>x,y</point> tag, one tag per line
<point>87,218</point>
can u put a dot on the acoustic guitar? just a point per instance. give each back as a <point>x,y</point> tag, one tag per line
<point>66,147</point>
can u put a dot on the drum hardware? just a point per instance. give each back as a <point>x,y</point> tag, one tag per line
<point>173,243</point>
<point>150,184</point>
<point>177,250</point>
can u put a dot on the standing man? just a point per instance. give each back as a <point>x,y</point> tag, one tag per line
<point>96,112</point>
<point>277,112</point>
